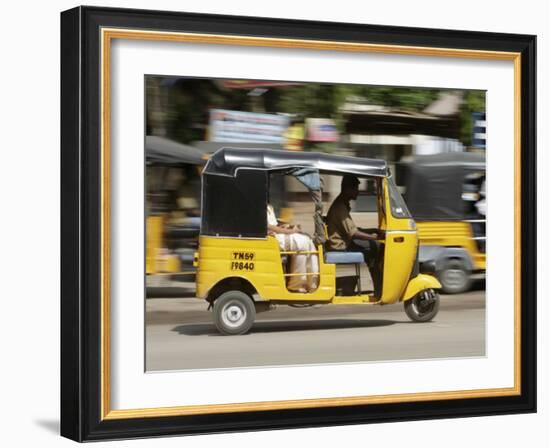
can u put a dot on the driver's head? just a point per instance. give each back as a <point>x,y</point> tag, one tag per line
<point>350,186</point>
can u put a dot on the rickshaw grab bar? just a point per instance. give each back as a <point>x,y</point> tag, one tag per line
<point>299,252</point>
<point>294,274</point>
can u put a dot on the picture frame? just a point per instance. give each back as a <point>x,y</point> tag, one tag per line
<point>86,37</point>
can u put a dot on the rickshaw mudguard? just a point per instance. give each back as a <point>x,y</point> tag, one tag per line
<point>420,283</point>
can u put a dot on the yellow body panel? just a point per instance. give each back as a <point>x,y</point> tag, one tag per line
<point>400,247</point>
<point>419,283</point>
<point>480,261</point>
<point>258,261</point>
<point>154,228</point>
<point>171,263</point>
<point>351,300</point>
<point>451,234</point>
<point>218,255</point>
<point>399,258</point>
<point>157,259</point>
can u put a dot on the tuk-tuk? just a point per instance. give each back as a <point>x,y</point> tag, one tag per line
<point>241,269</point>
<point>172,207</point>
<point>446,196</point>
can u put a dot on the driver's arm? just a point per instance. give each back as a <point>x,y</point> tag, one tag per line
<point>354,233</point>
<point>359,235</point>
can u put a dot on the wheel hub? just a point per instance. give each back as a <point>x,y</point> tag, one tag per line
<point>424,302</point>
<point>233,315</point>
<point>454,277</point>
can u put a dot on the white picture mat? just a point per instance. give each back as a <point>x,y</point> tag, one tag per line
<point>131,387</point>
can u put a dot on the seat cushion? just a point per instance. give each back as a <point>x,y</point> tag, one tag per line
<point>337,257</point>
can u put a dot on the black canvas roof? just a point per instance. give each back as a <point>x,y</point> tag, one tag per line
<point>460,160</point>
<point>162,151</point>
<point>227,161</point>
<point>434,183</point>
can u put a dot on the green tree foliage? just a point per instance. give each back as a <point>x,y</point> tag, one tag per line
<point>325,100</point>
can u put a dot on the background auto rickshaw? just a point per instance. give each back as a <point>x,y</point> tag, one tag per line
<point>446,196</point>
<point>241,270</point>
<point>172,207</point>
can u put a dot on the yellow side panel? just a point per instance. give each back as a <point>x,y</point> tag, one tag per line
<point>451,234</point>
<point>154,228</point>
<point>259,262</point>
<point>171,263</point>
<point>158,260</point>
<point>399,258</point>
<point>480,261</point>
<point>400,246</point>
<point>420,283</point>
<point>351,300</point>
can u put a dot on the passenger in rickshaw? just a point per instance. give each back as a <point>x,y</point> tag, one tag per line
<point>344,235</point>
<point>291,238</point>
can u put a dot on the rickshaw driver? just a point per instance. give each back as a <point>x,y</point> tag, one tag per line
<point>344,235</point>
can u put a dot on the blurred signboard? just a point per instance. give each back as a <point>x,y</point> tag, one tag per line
<point>236,126</point>
<point>479,126</point>
<point>321,130</point>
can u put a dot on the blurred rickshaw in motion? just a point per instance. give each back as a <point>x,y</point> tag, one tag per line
<point>446,196</point>
<point>172,209</point>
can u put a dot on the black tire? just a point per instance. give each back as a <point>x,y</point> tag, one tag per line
<point>454,277</point>
<point>234,313</point>
<point>423,307</point>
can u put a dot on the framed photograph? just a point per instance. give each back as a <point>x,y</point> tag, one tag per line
<point>278,224</point>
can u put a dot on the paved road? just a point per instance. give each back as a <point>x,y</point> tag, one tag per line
<point>180,334</point>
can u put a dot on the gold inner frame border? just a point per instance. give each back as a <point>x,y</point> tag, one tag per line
<point>107,35</point>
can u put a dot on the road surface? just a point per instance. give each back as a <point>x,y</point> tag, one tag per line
<point>180,334</point>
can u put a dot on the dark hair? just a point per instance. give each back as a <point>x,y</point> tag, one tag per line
<point>349,181</point>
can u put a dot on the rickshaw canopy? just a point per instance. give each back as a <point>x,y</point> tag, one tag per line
<point>235,184</point>
<point>434,183</point>
<point>227,161</point>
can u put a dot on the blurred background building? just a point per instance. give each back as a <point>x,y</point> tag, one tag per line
<point>381,121</point>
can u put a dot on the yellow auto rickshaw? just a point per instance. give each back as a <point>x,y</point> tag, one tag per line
<point>446,196</point>
<point>172,208</point>
<point>241,270</point>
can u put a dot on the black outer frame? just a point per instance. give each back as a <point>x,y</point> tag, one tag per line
<point>81,224</point>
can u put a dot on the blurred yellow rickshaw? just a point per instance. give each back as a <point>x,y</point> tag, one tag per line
<point>172,208</point>
<point>446,195</point>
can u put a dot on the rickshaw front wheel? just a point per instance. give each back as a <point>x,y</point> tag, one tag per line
<point>454,277</point>
<point>423,307</point>
<point>234,313</point>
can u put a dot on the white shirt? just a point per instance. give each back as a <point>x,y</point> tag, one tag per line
<point>271,218</point>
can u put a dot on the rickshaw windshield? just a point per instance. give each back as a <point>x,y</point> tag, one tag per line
<point>397,203</point>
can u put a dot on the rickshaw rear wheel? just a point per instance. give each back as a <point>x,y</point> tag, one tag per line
<point>423,307</point>
<point>234,313</point>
